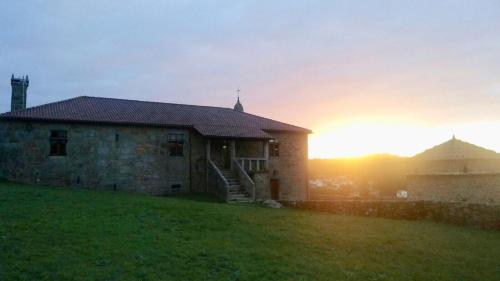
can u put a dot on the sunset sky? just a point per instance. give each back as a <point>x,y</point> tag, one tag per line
<point>366,76</point>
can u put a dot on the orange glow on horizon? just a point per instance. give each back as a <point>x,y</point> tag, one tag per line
<point>365,136</point>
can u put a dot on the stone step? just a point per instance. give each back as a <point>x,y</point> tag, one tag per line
<point>245,199</point>
<point>237,192</point>
<point>239,201</point>
<point>238,196</point>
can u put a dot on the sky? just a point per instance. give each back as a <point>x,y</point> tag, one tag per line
<point>366,76</point>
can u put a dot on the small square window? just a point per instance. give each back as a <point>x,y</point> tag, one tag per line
<point>175,188</point>
<point>176,144</point>
<point>274,149</point>
<point>58,140</point>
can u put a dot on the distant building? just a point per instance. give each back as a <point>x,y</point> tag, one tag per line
<point>455,171</point>
<point>318,183</point>
<point>152,147</point>
<point>402,194</point>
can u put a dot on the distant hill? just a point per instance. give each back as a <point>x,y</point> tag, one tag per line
<point>370,164</point>
<point>388,172</point>
<point>456,149</point>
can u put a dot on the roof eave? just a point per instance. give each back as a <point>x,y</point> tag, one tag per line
<point>93,122</point>
<point>303,131</point>
<point>237,138</point>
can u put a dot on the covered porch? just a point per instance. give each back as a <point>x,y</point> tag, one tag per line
<point>231,165</point>
<point>235,156</point>
<point>250,155</point>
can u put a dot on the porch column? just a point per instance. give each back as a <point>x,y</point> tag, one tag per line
<point>233,152</point>
<point>208,149</point>
<point>266,154</point>
<point>266,149</point>
<point>207,164</point>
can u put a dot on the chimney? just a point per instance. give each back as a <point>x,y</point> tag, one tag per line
<point>19,88</point>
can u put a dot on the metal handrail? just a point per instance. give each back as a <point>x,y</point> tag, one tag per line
<point>218,172</point>
<point>242,170</point>
<point>246,176</point>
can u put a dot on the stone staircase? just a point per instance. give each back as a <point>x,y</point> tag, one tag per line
<point>237,193</point>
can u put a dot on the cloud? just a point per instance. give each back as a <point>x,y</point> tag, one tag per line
<point>427,61</point>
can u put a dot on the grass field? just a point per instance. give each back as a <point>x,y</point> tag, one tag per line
<point>63,234</point>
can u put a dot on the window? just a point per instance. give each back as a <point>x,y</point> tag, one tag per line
<point>58,140</point>
<point>176,188</point>
<point>176,144</point>
<point>274,149</point>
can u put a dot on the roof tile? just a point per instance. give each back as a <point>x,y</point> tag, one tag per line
<point>209,121</point>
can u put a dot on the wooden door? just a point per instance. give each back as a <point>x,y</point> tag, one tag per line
<point>220,153</point>
<point>225,155</point>
<point>275,189</point>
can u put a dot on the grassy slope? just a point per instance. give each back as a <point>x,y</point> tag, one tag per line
<point>58,234</point>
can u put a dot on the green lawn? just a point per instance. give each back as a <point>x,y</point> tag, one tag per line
<point>63,234</point>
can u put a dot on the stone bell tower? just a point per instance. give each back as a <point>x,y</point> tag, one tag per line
<point>19,89</point>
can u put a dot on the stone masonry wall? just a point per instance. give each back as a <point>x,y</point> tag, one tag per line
<point>478,215</point>
<point>262,185</point>
<point>135,159</point>
<point>101,157</point>
<point>290,168</point>
<point>197,157</point>
<point>454,166</point>
<point>469,188</point>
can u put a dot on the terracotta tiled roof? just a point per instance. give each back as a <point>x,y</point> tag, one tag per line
<point>230,131</point>
<point>209,121</point>
<point>456,149</point>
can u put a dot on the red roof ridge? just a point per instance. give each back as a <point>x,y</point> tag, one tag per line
<point>126,111</point>
<point>196,105</point>
<point>156,102</point>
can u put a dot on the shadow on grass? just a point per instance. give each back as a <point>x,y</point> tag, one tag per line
<point>197,197</point>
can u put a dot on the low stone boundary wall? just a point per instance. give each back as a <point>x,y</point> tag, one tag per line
<point>477,215</point>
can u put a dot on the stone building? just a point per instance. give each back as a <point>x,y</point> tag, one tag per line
<point>152,147</point>
<point>455,171</point>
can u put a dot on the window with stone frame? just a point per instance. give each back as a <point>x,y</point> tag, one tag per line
<point>274,149</point>
<point>58,140</point>
<point>176,145</point>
